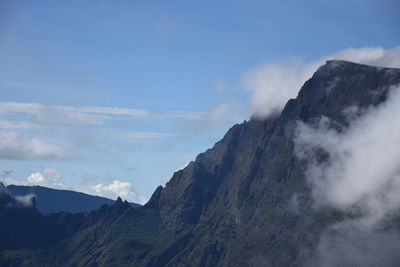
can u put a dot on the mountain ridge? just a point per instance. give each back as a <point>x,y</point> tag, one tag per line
<point>61,200</point>
<point>244,202</point>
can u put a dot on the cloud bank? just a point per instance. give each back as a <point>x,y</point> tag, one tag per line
<point>362,172</point>
<point>272,85</point>
<point>360,176</point>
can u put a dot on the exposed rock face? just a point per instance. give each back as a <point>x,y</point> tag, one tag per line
<point>245,202</point>
<point>241,191</point>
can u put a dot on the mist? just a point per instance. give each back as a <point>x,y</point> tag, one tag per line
<point>359,174</point>
<point>9,201</point>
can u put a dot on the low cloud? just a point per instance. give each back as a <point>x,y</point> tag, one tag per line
<point>26,201</point>
<point>273,84</point>
<point>356,170</point>
<point>117,189</point>
<point>47,177</point>
<point>15,147</point>
<point>363,167</point>
<point>15,202</point>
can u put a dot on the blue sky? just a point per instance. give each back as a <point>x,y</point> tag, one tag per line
<point>110,97</point>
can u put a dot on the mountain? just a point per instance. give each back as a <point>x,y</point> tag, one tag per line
<point>245,202</point>
<point>56,200</point>
<point>23,227</point>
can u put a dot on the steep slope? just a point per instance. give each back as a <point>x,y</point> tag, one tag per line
<point>245,202</point>
<point>56,200</point>
<point>238,194</point>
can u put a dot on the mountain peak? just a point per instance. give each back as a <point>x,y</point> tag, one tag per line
<point>340,84</point>
<point>339,64</point>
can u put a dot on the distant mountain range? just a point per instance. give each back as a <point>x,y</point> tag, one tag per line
<point>56,200</point>
<point>245,202</point>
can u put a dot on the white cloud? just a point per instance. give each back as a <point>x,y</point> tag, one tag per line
<point>14,147</point>
<point>272,85</point>
<point>35,178</point>
<point>116,189</point>
<point>362,173</point>
<point>26,201</point>
<point>47,177</point>
<point>20,201</point>
<point>50,177</point>
<point>357,171</point>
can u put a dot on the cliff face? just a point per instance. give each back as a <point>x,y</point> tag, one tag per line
<point>239,194</point>
<point>245,202</point>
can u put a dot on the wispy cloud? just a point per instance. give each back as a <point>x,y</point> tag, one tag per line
<point>362,172</point>
<point>5,124</point>
<point>143,135</point>
<point>187,115</point>
<point>56,114</point>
